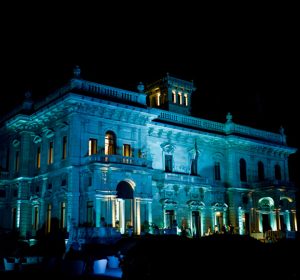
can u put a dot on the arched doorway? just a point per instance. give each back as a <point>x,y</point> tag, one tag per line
<point>125,206</point>
<point>266,219</point>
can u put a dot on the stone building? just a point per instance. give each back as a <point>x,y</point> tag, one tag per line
<point>137,159</point>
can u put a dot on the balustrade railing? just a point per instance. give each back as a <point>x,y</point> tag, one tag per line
<point>118,159</point>
<point>220,127</point>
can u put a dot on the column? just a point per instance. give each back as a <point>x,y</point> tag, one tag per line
<point>149,204</point>
<point>277,213</point>
<point>287,220</point>
<point>273,220</point>
<point>105,207</point>
<point>294,220</point>
<point>259,217</point>
<point>98,211</point>
<point>137,216</point>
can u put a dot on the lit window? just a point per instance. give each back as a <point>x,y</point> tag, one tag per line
<point>180,98</point>
<point>110,143</point>
<point>38,157</point>
<point>127,150</point>
<point>50,153</point>
<point>48,217</point>
<point>158,99</point>
<point>92,147</point>
<point>185,99</point>
<point>173,96</point>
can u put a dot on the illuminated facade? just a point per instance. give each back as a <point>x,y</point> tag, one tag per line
<point>90,151</point>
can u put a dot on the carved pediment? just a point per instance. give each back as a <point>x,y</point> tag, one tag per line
<point>168,147</point>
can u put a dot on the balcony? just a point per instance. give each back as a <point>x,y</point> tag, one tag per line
<point>117,159</point>
<point>182,178</point>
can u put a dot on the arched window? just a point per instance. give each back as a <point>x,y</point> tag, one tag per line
<point>243,170</point>
<point>277,172</point>
<point>260,171</point>
<point>110,143</point>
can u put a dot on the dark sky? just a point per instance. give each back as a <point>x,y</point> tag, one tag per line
<point>242,59</point>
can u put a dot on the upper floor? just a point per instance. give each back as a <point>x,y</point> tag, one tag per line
<point>86,123</point>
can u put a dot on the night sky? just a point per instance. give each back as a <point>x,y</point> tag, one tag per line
<point>243,60</point>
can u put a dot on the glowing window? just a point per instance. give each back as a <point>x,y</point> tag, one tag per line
<point>110,143</point>
<point>173,96</point>
<point>158,101</point>
<point>127,150</point>
<point>185,99</point>
<point>35,218</point>
<point>38,157</point>
<point>92,146</point>
<point>180,98</point>
<point>48,217</point>
<point>50,153</point>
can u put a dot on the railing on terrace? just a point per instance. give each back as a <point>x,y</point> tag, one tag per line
<point>244,130</point>
<point>118,159</point>
<point>185,178</point>
<point>220,127</point>
<point>191,121</point>
<point>96,89</point>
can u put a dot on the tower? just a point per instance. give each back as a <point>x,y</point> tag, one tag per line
<point>171,94</point>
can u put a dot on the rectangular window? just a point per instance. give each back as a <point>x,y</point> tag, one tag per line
<point>17,161</point>
<point>168,163</point>
<point>217,171</point>
<point>64,147</point>
<point>158,99</point>
<point>127,150</point>
<point>38,157</point>
<point>186,100</point>
<point>89,212</point>
<point>35,218</point>
<point>50,153</point>
<point>180,98</point>
<point>92,146</point>
<point>173,96</point>
<point>48,218</point>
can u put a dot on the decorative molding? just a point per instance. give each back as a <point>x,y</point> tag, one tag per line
<point>168,147</point>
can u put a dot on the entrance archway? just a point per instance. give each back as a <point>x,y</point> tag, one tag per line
<point>125,206</point>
